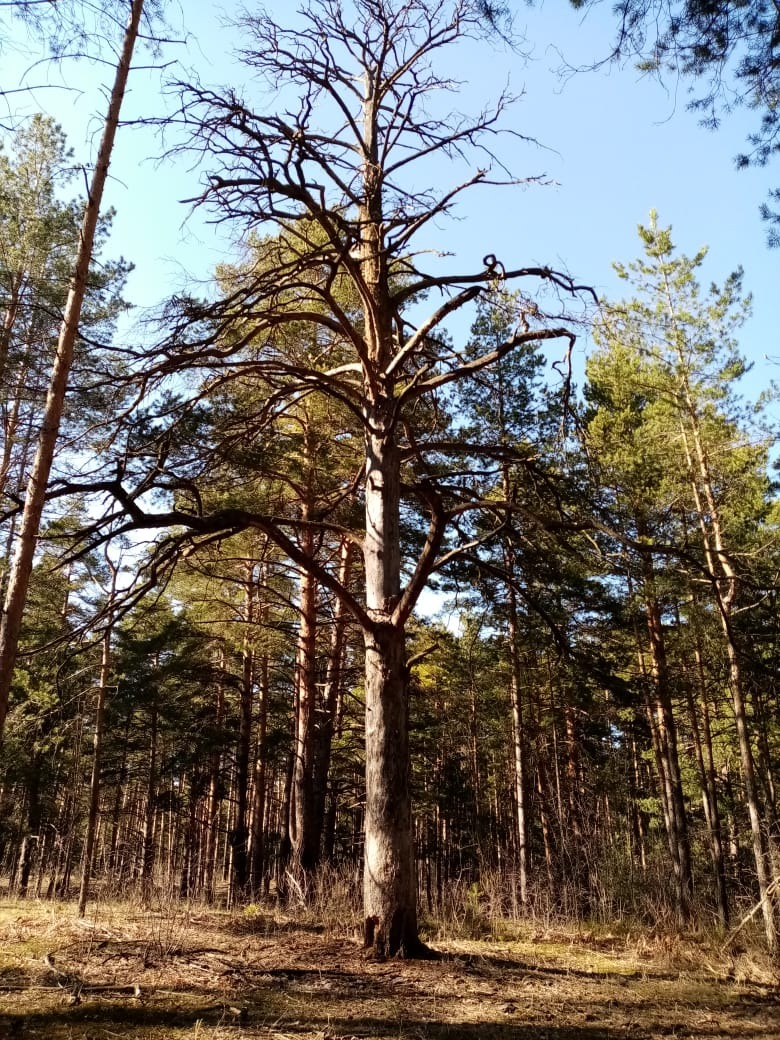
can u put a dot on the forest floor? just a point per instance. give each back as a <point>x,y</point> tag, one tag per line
<point>183,974</point>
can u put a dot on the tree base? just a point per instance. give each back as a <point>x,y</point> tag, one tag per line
<point>381,944</point>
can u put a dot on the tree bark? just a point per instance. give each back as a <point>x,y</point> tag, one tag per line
<point>518,740</point>
<point>257,848</point>
<point>150,808</point>
<point>702,736</point>
<point>328,717</point>
<point>239,838</point>
<point>725,586</point>
<point>304,832</point>
<point>97,746</point>
<point>389,883</point>
<point>214,797</point>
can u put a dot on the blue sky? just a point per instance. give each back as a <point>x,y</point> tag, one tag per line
<point>615,144</point>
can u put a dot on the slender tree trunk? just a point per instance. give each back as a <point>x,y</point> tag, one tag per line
<point>97,745</point>
<point>11,421</point>
<point>150,808</point>
<point>328,721</point>
<point>725,587</point>
<point>518,741</point>
<point>32,835</point>
<point>16,595</point>
<point>240,832</point>
<point>285,845</point>
<point>214,797</point>
<point>120,797</point>
<point>702,736</point>
<point>188,876</point>
<point>637,817</point>
<point>94,785</point>
<point>257,864</point>
<point>10,314</point>
<point>663,730</point>
<point>666,730</point>
<point>304,833</point>
<point>257,845</point>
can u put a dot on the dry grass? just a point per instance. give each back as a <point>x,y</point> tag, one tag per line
<point>181,973</point>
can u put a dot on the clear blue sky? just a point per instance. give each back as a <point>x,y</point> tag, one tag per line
<point>616,145</point>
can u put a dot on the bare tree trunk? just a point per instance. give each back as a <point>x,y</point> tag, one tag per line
<point>94,785</point>
<point>240,833</point>
<point>214,791</point>
<point>257,857</point>
<point>725,587</point>
<point>666,734</point>
<point>16,595</point>
<point>519,749</point>
<point>702,736</point>
<point>150,808</point>
<point>663,732</point>
<point>97,745</point>
<point>120,797</point>
<point>639,826</point>
<point>389,883</point>
<point>10,314</point>
<point>285,847</point>
<point>304,833</point>
<point>328,721</point>
<point>32,835</point>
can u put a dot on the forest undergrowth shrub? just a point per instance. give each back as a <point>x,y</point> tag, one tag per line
<point>330,897</point>
<point>616,898</point>
<point>157,911</point>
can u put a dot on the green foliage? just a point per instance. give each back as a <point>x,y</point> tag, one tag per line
<point>665,359</point>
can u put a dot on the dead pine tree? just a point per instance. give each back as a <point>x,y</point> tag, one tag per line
<point>331,170</point>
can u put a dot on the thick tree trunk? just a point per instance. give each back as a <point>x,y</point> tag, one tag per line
<point>389,888</point>
<point>389,883</point>
<point>16,595</point>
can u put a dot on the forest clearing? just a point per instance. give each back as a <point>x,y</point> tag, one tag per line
<point>192,973</point>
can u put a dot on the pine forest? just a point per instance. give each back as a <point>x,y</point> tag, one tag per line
<point>365,583</point>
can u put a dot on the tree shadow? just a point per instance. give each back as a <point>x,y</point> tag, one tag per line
<point>262,924</point>
<point>491,966</point>
<point>336,1009</point>
<point>118,1017</point>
